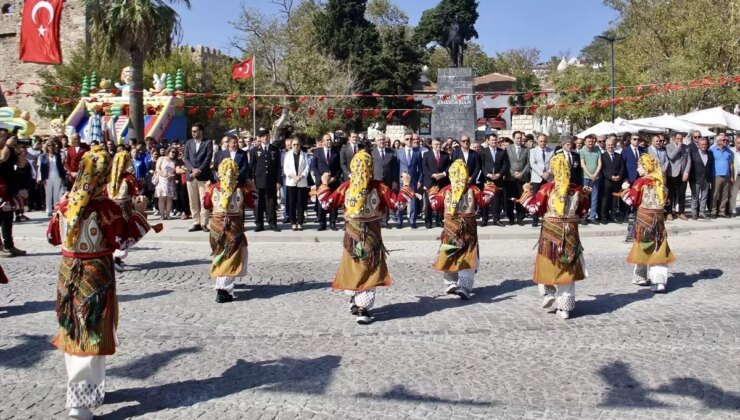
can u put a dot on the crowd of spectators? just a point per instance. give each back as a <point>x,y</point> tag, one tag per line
<point>174,175</point>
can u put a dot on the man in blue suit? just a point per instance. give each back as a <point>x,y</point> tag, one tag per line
<point>630,156</point>
<point>236,154</point>
<point>409,161</point>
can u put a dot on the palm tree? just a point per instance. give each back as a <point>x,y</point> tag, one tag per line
<point>142,28</point>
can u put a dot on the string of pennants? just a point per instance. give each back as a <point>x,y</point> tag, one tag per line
<point>642,92</point>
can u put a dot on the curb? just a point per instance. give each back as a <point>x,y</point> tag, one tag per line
<point>393,235</point>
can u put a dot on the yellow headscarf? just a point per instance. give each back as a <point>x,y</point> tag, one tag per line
<point>90,182</point>
<point>654,172</point>
<point>228,175</point>
<point>361,169</point>
<point>121,164</point>
<point>458,173</point>
<point>561,173</point>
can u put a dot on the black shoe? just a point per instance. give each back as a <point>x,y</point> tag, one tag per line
<point>484,222</point>
<point>206,230</point>
<point>498,223</point>
<point>584,222</point>
<point>274,228</point>
<point>520,222</point>
<point>259,228</point>
<point>222,296</point>
<point>363,317</point>
<point>322,228</point>
<point>195,228</point>
<point>428,225</point>
<point>535,224</point>
<point>512,223</point>
<point>413,226</point>
<point>286,220</point>
<point>399,226</point>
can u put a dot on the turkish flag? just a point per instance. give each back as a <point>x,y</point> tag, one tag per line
<point>40,32</point>
<point>243,70</point>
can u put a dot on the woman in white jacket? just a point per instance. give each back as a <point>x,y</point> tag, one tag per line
<point>296,168</point>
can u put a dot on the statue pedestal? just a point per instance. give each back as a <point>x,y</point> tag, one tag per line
<point>453,116</point>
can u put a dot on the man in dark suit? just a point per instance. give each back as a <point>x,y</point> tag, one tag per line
<point>630,156</point>
<point>409,161</point>
<point>470,157</point>
<point>326,160</point>
<point>518,156</point>
<point>347,153</point>
<point>198,157</point>
<point>700,176</point>
<point>266,170</point>
<point>495,166</point>
<point>72,158</point>
<point>236,154</point>
<point>385,166</point>
<point>434,167</point>
<point>613,175</point>
<point>574,161</point>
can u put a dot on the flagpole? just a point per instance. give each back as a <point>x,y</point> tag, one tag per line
<point>254,93</point>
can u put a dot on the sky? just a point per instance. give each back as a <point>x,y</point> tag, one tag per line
<point>552,26</point>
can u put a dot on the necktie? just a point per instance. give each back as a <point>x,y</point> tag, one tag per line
<point>382,154</point>
<point>517,150</point>
<point>408,155</point>
<point>611,156</point>
<point>544,159</point>
<point>436,157</point>
<point>637,157</point>
<point>354,149</point>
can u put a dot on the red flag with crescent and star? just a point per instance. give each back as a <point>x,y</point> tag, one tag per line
<point>243,70</point>
<point>40,40</point>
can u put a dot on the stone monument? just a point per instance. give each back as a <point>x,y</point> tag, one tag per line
<point>454,106</point>
<point>454,111</point>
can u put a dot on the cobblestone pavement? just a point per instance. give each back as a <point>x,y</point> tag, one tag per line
<point>287,348</point>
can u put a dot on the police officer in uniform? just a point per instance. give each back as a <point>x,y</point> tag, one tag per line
<point>266,169</point>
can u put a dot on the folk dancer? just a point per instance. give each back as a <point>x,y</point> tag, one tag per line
<point>90,226</point>
<point>227,200</point>
<point>363,267</point>
<point>122,189</point>
<point>559,262</point>
<point>458,255</point>
<point>9,204</point>
<point>650,251</point>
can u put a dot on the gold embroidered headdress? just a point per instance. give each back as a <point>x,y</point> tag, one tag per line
<point>228,175</point>
<point>654,172</point>
<point>90,182</point>
<point>458,173</point>
<point>121,165</point>
<point>561,173</point>
<point>361,169</point>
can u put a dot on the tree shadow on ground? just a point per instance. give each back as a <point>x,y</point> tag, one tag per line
<point>626,391</point>
<point>429,304</point>
<point>267,291</point>
<point>158,265</point>
<point>610,302</point>
<point>148,366</point>
<point>30,351</point>
<point>48,305</point>
<point>401,393</point>
<point>301,376</point>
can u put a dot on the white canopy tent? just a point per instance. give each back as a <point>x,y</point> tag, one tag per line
<point>669,122</point>
<point>713,117</point>
<point>602,128</point>
<point>624,126</point>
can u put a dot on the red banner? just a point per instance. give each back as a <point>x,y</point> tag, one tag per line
<point>243,70</point>
<point>40,41</point>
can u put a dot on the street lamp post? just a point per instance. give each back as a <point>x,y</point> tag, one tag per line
<point>611,40</point>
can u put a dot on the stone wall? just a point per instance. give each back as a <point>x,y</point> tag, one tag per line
<point>523,123</point>
<point>73,31</point>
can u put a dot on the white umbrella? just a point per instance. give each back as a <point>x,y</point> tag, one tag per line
<point>713,117</point>
<point>624,126</point>
<point>669,122</point>
<point>602,128</point>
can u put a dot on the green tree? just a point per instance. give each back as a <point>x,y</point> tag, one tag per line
<point>141,28</point>
<point>383,13</point>
<point>516,61</point>
<point>434,25</point>
<point>526,85</point>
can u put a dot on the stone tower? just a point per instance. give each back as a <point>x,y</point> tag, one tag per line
<point>73,31</point>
